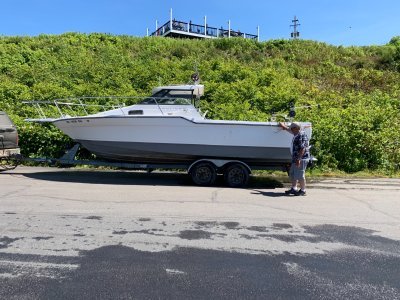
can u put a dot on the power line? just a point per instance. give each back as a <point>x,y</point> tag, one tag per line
<point>295,34</point>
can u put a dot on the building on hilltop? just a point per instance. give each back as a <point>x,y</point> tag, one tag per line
<point>180,29</point>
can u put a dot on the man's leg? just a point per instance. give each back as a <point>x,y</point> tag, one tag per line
<point>294,184</point>
<point>303,184</point>
<point>304,163</point>
<point>302,179</point>
<point>292,177</point>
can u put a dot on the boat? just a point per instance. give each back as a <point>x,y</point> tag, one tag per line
<point>168,127</point>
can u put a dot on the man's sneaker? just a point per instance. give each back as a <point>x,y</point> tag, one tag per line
<point>292,191</point>
<point>301,193</point>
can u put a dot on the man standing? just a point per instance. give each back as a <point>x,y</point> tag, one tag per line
<point>300,158</point>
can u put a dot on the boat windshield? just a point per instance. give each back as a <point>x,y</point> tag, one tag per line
<point>170,97</point>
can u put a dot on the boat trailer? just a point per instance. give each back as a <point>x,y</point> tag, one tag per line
<point>203,172</point>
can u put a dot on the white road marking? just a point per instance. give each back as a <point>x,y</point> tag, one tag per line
<point>38,269</point>
<point>174,272</point>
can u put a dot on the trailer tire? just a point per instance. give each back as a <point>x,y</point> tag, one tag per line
<point>8,163</point>
<point>236,175</point>
<point>203,173</point>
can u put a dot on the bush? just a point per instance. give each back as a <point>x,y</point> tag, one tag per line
<point>356,88</point>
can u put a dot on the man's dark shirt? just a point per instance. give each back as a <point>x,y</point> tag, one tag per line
<point>300,141</point>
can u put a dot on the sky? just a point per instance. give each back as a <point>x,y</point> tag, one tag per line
<point>336,22</point>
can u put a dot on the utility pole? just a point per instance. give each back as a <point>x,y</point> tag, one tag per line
<point>295,34</point>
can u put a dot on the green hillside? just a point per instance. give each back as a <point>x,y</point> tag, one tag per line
<point>354,91</point>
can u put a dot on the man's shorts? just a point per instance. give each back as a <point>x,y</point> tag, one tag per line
<point>298,173</point>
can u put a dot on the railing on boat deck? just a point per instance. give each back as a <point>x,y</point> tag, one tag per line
<point>83,106</point>
<point>60,108</point>
<point>199,30</point>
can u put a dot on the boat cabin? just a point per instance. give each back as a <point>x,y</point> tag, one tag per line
<point>175,95</point>
<point>173,100</point>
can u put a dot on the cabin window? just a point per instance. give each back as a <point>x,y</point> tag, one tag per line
<point>135,112</point>
<point>170,97</point>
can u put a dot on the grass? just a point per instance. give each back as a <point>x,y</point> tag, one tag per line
<point>318,173</point>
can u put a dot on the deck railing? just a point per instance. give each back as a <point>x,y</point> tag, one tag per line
<point>83,106</point>
<point>199,30</point>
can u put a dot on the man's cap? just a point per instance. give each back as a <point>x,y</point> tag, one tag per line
<point>295,125</point>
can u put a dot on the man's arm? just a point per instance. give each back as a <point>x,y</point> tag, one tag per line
<point>284,127</point>
<point>303,148</point>
<point>301,153</point>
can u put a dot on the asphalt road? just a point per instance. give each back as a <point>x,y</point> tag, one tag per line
<point>92,234</point>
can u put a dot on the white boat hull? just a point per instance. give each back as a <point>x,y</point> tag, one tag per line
<point>177,139</point>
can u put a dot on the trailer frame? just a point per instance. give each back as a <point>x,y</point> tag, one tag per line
<point>203,172</point>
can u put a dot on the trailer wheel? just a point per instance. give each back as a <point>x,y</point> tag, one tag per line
<point>10,162</point>
<point>236,175</point>
<point>203,173</point>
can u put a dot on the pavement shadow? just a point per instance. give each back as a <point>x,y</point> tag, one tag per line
<point>110,177</point>
<point>270,194</point>
<point>120,177</point>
